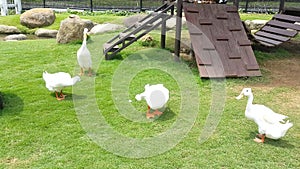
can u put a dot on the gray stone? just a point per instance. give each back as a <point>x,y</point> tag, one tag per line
<point>107,27</point>
<point>15,37</point>
<point>71,29</point>
<point>129,21</point>
<point>37,17</point>
<point>255,24</point>
<point>4,29</point>
<point>46,33</point>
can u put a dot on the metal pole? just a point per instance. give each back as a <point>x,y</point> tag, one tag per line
<point>44,3</point>
<point>141,5</point>
<point>91,4</point>
<point>178,29</point>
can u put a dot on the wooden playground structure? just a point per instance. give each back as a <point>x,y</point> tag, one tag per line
<point>219,39</point>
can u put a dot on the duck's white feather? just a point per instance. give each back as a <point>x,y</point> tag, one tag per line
<point>272,124</point>
<point>83,54</point>
<point>156,96</point>
<point>58,81</point>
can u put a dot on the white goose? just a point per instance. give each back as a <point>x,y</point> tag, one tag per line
<point>270,124</point>
<point>84,56</point>
<point>156,97</point>
<point>58,81</point>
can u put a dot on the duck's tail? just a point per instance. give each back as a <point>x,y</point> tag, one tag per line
<point>286,127</point>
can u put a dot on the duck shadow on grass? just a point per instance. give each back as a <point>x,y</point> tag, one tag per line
<point>276,143</point>
<point>168,114</point>
<point>11,104</point>
<point>69,96</point>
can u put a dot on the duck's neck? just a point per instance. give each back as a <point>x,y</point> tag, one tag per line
<point>250,100</point>
<point>84,39</point>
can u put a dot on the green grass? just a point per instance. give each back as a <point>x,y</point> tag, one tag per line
<point>37,131</point>
<point>14,20</point>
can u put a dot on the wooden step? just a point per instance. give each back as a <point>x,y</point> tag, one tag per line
<point>106,47</point>
<point>267,40</point>
<point>123,35</point>
<point>272,36</point>
<point>290,33</point>
<point>284,24</point>
<point>290,18</point>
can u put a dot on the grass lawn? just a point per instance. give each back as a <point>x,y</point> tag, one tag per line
<point>96,126</point>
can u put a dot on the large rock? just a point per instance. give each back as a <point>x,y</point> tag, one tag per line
<point>4,29</point>
<point>129,21</point>
<point>255,24</point>
<point>15,37</point>
<point>46,33</point>
<point>37,17</point>
<point>107,27</point>
<point>71,29</point>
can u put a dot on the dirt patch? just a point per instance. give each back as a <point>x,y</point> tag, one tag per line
<point>285,71</point>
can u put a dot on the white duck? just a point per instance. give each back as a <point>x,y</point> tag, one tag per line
<point>270,124</point>
<point>156,97</point>
<point>84,56</point>
<point>58,81</point>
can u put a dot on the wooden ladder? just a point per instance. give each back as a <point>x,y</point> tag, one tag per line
<point>138,30</point>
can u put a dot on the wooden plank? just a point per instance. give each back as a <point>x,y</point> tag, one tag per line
<point>284,24</point>
<point>205,22</point>
<point>220,42</point>
<point>284,32</point>
<point>234,28</point>
<point>290,18</point>
<point>108,45</point>
<point>266,44</point>
<point>252,67</point>
<point>221,15</point>
<point>231,9</point>
<point>244,42</point>
<point>267,40</point>
<point>123,35</point>
<point>272,36</point>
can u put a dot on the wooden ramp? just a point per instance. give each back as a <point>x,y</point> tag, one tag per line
<point>219,41</point>
<point>280,29</point>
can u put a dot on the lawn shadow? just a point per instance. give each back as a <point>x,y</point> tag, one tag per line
<point>276,143</point>
<point>12,104</point>
<point>70,96</point>
<point>168,114</point>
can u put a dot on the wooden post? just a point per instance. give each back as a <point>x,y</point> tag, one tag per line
<point>163,33</point>
<point>44,3</point>
<point>236,3</point>
<point>281,6</point>
<point>178,29</point>
<point>246,8</point>
<point>91,4</point>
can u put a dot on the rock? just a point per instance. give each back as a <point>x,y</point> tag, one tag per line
<point>37,17</point>
<point>171,23</point>
<point>101,28</point>
<point>71,29</point>
<point>129,21</point>
<point>255,24</point>
<point>4,29</point>
<point>46,33</point>
<point>15,37</point>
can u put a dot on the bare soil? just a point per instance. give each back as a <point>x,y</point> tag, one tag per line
<point>285,71</point>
